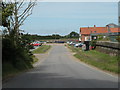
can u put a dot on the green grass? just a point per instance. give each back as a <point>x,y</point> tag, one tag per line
<point>97,59</point>
<point>42,49</point>
<point>34,59</point>
<point>74,49</point>
<point>9,71</point>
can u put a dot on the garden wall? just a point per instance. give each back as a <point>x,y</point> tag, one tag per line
<point>111,48</point>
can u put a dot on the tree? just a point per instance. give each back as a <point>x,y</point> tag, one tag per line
<point>7,10</point>
<point>72,35</point>
<point>56,36</point>
<point>14,15</point>
<point>14,46</point>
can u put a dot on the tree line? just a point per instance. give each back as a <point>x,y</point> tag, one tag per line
<point>53,36</point>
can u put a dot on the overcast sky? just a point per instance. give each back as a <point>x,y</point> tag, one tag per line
<point>63,17</point>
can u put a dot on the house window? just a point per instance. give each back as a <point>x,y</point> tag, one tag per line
<point>94,31</point>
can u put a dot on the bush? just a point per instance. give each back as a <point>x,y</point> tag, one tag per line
<point>118,38</point>
<point>16,56</point>
<point>100,37</point>
<point>93,44</point>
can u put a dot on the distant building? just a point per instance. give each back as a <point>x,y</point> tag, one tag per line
<point>89,33</point>
<point>112,25</point>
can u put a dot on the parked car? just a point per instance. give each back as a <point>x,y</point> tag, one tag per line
<point>68,42</point>
<point>72,43</point>
<point>59,41</point>
<point>43,42</point>
<point>36,43</point>
<point>78,45</point>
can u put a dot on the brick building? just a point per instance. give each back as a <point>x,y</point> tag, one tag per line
<point>88,33</point>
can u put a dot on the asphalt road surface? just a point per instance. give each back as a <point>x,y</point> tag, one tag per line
<point>59,69</point>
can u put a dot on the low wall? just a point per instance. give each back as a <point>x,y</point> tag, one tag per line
<point>111,48</point>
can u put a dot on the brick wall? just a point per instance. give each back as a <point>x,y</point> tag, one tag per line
<point>110,48</point>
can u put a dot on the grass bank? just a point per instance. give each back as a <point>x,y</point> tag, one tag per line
<point>41,49</point>
<point>9,70</point>
<point>34,59</point>
<point>97,59</point>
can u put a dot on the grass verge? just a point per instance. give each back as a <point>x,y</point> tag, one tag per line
<point>97,59</point>
<point>42,49</point>
<point>34,59</point>
<point>8,70</point>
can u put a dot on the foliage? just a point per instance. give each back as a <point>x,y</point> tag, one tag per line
<point>14,54</point>
<point>15,46</point>
<point>118,38</point>
<point>93,44</point>
<point>7,11</point>
<point>8,70</point>
<point>102,38</point>
<point>72,35</point>
<point>54,36</point>
<point>14,13</point>
<point>35,59</point>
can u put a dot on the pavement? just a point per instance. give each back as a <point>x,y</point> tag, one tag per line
<point>58,69</point>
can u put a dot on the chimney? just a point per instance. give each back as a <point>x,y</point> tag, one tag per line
<point>94,25</point>
<point>108,28</point>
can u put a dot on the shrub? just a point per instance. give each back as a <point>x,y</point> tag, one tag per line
<point>118,38</point>
<point>17,55</point>
<point>93,44</point>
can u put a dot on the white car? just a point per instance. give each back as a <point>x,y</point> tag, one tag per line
<point>78,45</point>
<point>72,43</point>
<point>68,42</point>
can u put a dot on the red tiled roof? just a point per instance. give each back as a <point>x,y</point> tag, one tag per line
<point>115,30</point>
<point>85,30</point>
<point>89,30</point>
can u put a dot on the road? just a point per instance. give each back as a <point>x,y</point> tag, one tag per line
<point>59,69</point>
